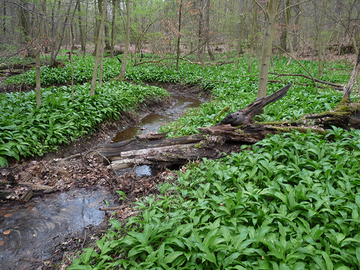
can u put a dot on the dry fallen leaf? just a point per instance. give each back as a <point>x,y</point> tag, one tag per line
<point>2,243</point>
<point>8,215</point>
<point>6,232</point>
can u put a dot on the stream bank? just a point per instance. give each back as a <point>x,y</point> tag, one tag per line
<point>27,228</point>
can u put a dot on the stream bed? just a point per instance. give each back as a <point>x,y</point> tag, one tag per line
<point>30,232</point>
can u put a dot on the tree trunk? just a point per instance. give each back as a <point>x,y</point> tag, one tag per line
<point>253,35</point>
<point>97,52</point>
<point>81,28</point>
<point>38,85</point>
<point>201,34</point>
<point>127,41</point>
<point>102,52</point>
<point>320,39</point>
<point>284,34</point>
<point>207,30</point>
<point>113,28</point>
<point>72,67</point>
<point>179,36</point>
<point>97,31</point>
<point>54,53</point>
<point>25,21</point>
<point>352,81</point>
<point>267,46</point>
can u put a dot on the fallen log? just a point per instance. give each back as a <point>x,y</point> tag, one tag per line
<point>212,142</point>
<point>345,114</point>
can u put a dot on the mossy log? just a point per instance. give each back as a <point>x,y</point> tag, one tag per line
<point>345,115</point>
<point>212,142</point>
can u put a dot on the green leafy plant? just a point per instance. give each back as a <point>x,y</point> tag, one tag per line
<point>27,130</point>
<point>290,202</point>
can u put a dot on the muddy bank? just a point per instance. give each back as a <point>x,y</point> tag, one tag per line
<point>82,179</point>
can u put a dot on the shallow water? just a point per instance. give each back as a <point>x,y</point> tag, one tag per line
<point>153,121</point>
<point>30,232</point>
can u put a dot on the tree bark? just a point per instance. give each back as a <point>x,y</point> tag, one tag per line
<point>97,52</point>
<point>81,28</point>
<point>253,35</point>
<point>284,34</point>
<point>113,28</point>
<point>72,67</point>
<point>207,30</point>
<point>179,36</point>
<point>38,85</point>
<point>54,53</point>
<point>267,46</point>
<point>201,34</point>
<point>352,81</point>
<point>320,39</point>
<point>127,41</point>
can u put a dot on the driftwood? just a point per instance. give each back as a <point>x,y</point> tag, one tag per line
<point>212,142</point>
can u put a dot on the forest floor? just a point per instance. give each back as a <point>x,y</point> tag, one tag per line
<point>51,173</point>
<point>60,175</point>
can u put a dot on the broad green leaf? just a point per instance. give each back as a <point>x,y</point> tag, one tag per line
<point>172,256</point>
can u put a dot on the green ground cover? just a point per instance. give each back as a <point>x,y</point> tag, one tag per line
<point>26,130</point>
<point>291,202</point>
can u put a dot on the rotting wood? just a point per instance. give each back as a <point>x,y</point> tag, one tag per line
<point>345,115</point>
<point>212,142</point>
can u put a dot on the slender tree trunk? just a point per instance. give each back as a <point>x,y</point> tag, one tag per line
<point>284,34</point>
<point>201,34</point>
<point>113,28</point>
<point>267,46</point>
<point>179,36</point>
<point>207,30</point>
<point>55,53</point>
<point>102,52</point>
<point>24,20</point>
<point>97,30</point>
<point>253,35</point>
<point>38,85</point>
<point>97,52</point>
<point>106,36</point>
<point>352,80</point>
<point>38,52</point>
<point>127,41</point>
<point>320,40</point>
<point>72,68</point>
<point>81,28</point>
<point>296,39</point>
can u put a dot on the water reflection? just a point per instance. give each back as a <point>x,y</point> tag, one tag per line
<point>153,121</point>
<point>31,232</point>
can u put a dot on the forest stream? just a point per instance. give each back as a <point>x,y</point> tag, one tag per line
<point>30,232</point>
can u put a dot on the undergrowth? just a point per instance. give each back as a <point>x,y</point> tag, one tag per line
<point>291,202</point>
<point>26,130</point>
